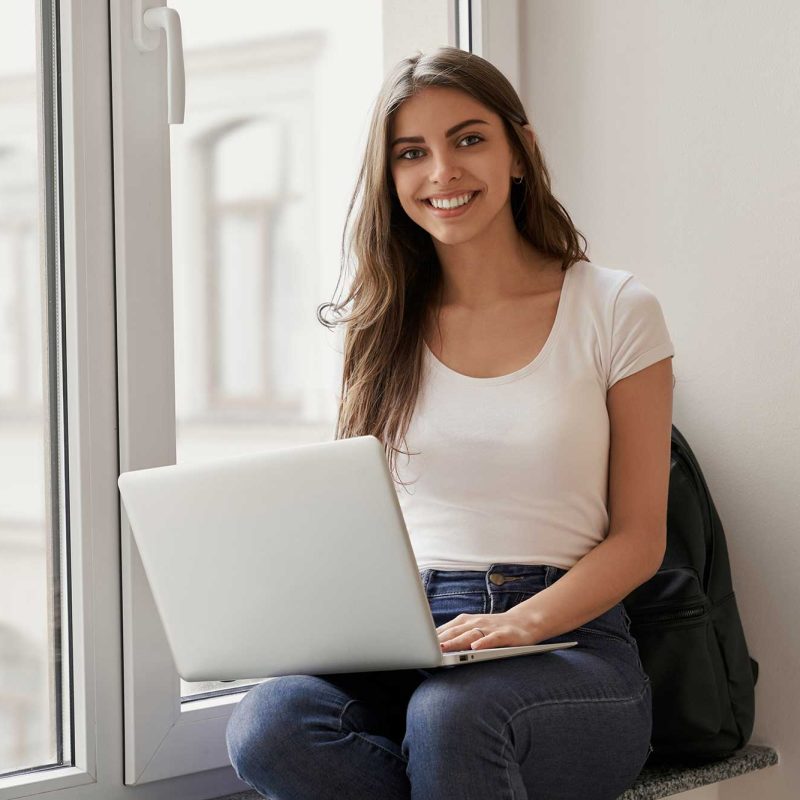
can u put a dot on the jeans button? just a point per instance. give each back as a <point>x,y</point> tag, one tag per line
<point>497,578</point>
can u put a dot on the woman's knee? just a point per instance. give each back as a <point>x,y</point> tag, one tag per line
<point>269,716</point>
<point>439,711</point>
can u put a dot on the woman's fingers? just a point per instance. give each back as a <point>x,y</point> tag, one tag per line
<point>458,627</point>
<point>476,631</point>
<point>458,621</point>
<point>484,633</point>
<point>462,641</point>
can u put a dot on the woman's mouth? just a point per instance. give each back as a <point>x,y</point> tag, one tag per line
<point>452,212</point>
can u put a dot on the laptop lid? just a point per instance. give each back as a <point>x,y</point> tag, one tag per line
<point>283,562</point>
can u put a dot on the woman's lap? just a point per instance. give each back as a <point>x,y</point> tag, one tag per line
<point>553,724</point>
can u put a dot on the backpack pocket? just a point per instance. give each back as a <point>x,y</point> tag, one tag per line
<point>680,653</point>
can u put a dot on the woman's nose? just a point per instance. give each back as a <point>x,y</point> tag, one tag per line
<point>444,169</point>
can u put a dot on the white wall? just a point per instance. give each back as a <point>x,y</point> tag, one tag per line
<point>672,132</point>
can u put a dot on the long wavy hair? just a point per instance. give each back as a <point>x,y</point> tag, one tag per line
<point>397,278</point>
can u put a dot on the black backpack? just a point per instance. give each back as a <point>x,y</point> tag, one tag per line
<point>687,627</point>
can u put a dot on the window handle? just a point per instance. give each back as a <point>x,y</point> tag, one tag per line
<point>148,20</point>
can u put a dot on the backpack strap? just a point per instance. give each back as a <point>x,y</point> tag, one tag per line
<point>681,450</point>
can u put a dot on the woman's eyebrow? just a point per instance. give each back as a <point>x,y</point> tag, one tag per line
<point>449,132</point>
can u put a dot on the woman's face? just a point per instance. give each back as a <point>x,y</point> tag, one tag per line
<point>451,159</point>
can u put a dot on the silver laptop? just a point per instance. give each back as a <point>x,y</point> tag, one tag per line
<point>293,561</point>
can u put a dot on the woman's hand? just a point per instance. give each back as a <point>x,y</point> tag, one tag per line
<point>506,629</point>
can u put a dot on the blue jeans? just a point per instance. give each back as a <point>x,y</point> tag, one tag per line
<point>569,724</point>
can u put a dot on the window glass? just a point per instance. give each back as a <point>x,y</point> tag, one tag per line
<point>34,706</point>
<point>277,104</point>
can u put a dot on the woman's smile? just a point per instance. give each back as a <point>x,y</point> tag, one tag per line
<point>447,213</point>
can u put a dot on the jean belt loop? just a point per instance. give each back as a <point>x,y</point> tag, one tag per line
<point>548,575</point>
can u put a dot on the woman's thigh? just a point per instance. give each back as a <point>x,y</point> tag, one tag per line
<point>563,724</point>
<point>567,723</point>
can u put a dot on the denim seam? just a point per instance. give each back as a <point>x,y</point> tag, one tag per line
<point>630,644</point>
<point>569,701</point>
<point>633,648</point>
<point>507,746</point>
<point>344,708</point>
<point>381,747</point>
<point>506,739</point>
<point>456,594</point>
<point>364,738</point>
<point>603,633</point>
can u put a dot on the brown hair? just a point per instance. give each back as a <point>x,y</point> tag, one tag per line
<point>397,273</point>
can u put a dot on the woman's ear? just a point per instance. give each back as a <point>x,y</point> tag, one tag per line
<point>531,135</point>
<point>531,139</point>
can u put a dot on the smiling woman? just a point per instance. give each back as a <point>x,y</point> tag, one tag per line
<point>458,174</point>
<point>508,440</point>
<point>446,125</point>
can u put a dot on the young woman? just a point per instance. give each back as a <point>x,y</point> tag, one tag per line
<point>533,391</point>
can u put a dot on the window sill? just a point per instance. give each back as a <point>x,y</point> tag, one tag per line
<point>665,781</point>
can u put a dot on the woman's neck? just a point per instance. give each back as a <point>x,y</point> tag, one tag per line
<point>477,277</point>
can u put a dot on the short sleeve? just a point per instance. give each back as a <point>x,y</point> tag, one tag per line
<point>639,334</point>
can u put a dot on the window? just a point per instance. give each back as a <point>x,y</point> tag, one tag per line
<point>35,695</point>
<point>157,303</point>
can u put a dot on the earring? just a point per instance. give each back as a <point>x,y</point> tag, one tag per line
<point>518,180</point>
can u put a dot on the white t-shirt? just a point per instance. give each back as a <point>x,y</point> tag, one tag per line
<point>514,469</point>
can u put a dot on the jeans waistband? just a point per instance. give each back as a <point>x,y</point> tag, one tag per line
<point>498,577</point>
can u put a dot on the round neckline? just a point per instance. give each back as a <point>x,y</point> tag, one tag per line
<point>522,371</point>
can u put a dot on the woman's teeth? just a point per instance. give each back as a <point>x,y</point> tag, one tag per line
<point>453,202</point>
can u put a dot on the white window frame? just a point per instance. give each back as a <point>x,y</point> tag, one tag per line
<point>131,738</point>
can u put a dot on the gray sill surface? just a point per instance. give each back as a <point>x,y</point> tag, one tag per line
<point>663,781</point>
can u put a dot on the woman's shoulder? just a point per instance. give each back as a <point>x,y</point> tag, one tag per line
<point>616,300</point>
<point>600,279</point>
<point>603,293</point>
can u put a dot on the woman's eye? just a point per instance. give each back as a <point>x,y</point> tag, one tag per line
<point>404,154</point>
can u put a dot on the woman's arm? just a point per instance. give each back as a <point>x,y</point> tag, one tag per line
<point>640,415</point>
<point>606,574</point>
